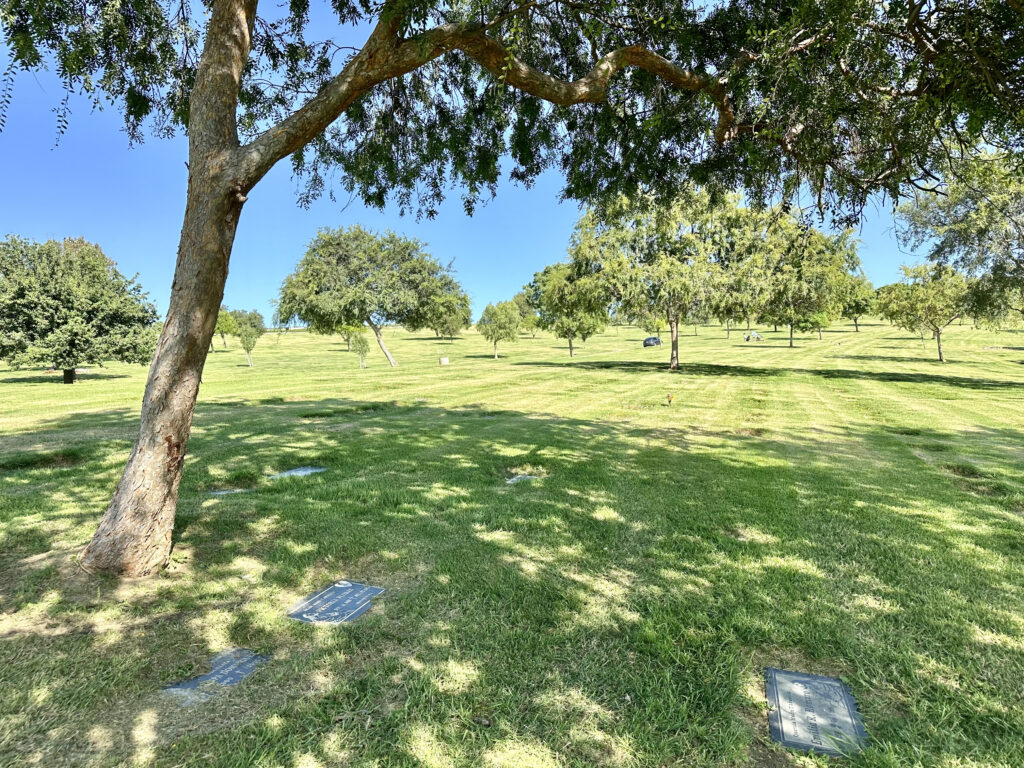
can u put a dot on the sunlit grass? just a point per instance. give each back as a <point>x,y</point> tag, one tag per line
<point>848,507</point>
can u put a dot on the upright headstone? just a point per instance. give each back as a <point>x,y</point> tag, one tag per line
<point>338,603</point>
<point>228,667</point>
<point>813,712</point>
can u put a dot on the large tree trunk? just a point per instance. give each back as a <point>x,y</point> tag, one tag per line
<point>380,341</point>
<point>69,375</point>
<point>134,536</point>
<point>673,330</point>
<point>938,341</point>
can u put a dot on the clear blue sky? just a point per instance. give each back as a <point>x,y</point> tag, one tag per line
<point>130,200</point>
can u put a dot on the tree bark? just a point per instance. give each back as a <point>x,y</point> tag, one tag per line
<point>819,334</point>
<point>790,334</point>
<point>380,341</point>
<point>69,376</point>
<point>570,347</point>
<point>134,536</point>
<point>348,343</point>
<point>495,350</point>
<point>248,356</point>
<point>673,331</point>
<point>856,325</point>
<point>938,341</point>
<point>223,340</point>
<point>727,328</point>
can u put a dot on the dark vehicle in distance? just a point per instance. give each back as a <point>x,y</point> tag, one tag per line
<point>652,341</point>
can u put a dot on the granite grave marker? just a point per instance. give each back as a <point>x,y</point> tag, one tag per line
<point>813,712</point>
<point>338,603</point>
<point>228,667</point>
<point>298,472</point>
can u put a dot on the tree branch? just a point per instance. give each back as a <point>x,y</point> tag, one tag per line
<point>385,56</point>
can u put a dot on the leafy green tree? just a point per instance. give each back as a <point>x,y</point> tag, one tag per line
<point>527,312</point>
<point>725,93</point>
<point>654,258</point>
<point>250,327</point>
<point>500,322</point>
<point>571,307</point>
<point>361,347</point>
<point>929,298</point>
<point>63,303</point>
<point>226,325</point>
<point>858,297</point>
<point>350,332</point>
<point>354,276</point>
<point>448,310</point>
<point>809,269</point>
<point>976,224</point>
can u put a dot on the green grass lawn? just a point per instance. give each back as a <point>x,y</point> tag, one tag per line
<point>848,507</point>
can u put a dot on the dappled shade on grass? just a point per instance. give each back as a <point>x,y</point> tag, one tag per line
<point>617,612</point>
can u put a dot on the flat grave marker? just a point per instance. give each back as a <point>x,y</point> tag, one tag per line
<point>520,478</point>
<point>812,712</point>
<point>298,472</point>
<point>228,667</point>
<point>228,491</point>
<point>338,603</point>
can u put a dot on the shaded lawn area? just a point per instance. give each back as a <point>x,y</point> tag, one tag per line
<point>617,611</point>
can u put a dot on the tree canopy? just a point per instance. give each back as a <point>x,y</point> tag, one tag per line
<point>355,276</point>
<point>845,96</point>
<point>249,327</point>
<point>500,322</point>
<point>975,224</point>
<point>569,306</point>
<point>929,298</point>
<point>63,303</point>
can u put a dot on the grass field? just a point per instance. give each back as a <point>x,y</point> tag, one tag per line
<point>848,507</point>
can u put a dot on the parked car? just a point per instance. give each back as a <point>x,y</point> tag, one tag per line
<point>652,341</point>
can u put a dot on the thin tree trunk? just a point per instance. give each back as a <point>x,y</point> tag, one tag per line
<point>748,322</point>
<point>938,341</point>
<point>673,330</point>
<point>694,329</point>
<point>223,340</point>
<point>790,334</point>
<point>69,375</point>
<point>380,341</point>
<point>819,334</point>
<point>134,536</point>
<point>856,325</point>
<point>776,329</point>
<point>348,343</point>
<point>571,352</point>
<point>727,329</point>
<point>248,356</point>
<point>495,350</point>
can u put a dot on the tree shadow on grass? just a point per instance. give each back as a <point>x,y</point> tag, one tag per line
<point>712,369</point>
<point>618,608</point>
<point>57,378</point>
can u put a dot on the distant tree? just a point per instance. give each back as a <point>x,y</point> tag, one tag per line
<point>653,257</point>
<point>354,276</point>
<point>361,347</point>
<point>929,298</point>
<point>447,310</point>
<point>349,332</point>
<point>226,325</point>
<point>808,272</point>
<point>976,225</point>
<point>250,327</point>
<point>570,306</point>
<point>528,313</point>
<point>65,304</point>
<point>858,298</point>
<point>500,322</point>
